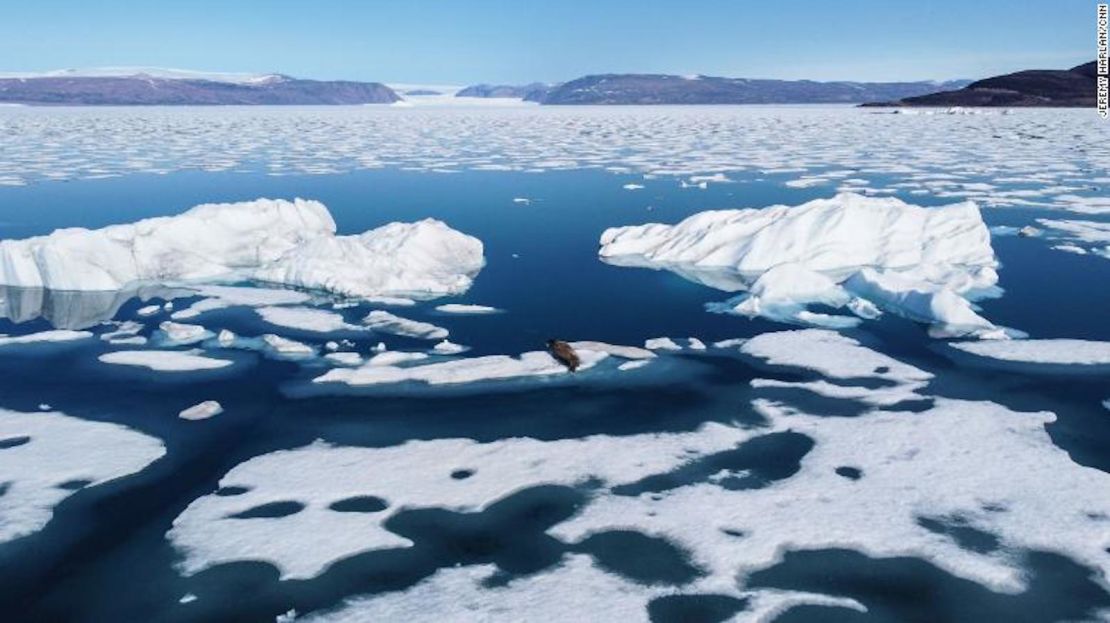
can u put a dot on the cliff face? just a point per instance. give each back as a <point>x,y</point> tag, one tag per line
<point>1073,87</point>
<point>148,90</point>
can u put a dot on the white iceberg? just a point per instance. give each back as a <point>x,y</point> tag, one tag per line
<point>830,252</point>
<point>285,242</point>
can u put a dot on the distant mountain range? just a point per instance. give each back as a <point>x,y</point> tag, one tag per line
<point>124,86</point>
<point>175,87</point>
<point>534,92</point>
<point>1073,87</point>
<point>670,89</point>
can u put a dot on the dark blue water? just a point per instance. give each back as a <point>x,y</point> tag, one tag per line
<point>104,556</point>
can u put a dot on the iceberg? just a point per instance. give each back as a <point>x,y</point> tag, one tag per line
<point>290,243</point>
<point>845,251</point>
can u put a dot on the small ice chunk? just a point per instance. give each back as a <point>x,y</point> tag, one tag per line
<point>225,337</point>
<point>447,347</point>
<point>695,344</point>
<point>344,359</point>
<point>632,186</point>
<point>286,346</point>
<point>460,308</point>
<point>149,310</point>
<point>386,322</point>
<point>632,365</point>
<point>178,333</point>
<point>661,343</point>
<point>202,411</point>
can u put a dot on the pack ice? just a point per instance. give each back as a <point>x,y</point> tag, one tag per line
<point>863,253</point>
<point>284,242</point>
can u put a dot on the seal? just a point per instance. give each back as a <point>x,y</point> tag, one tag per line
<point>564,353</point>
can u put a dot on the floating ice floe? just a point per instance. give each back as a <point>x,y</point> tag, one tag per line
<point>850,251</point>
<point>458,474</point>
<point>287,347</point>
<point>1095,234</point>
<point>836,356</point>
<point>911,457</point>
<point>386,322</point>
<point>381,369</point>
<point>164,360</point>
<point>461,308</point>
<point>447,347</point>
<point>285,242</point>
<point>221,297</point>
<point>45,457</point>
<point>344,359</point>
<point>179,334</point>
<point>1067,352</point>
<point>661,343</point>
<point>306,319</point>
<point>45,337</point>
<point>202,411</point>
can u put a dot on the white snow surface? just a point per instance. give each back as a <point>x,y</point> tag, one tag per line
<point>202,410</point>
<point>164,360</point>
<point>306,319</point>
<point>48,336</point>
<point>385,322</point>
<point>284,242</point>
<point>916,261</point>
<point>464,308</point>
<point>60,449</point>
<point>1049,351</point>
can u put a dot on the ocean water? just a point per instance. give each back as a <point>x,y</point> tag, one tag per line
<point>688,490</point>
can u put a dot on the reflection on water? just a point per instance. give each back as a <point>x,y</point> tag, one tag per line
<point>71,309</point>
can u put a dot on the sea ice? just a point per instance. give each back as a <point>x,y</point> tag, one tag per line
<point>416,474</point>
<point>202,411</point>
<point>164,360</point>
<point>459,308</point>
<point>47,452</point>
<point>306,319</point>
<point>386,322</point>
<point>43,337</point>
<point>1047,351</point>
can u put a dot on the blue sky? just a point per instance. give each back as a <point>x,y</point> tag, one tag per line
<point>516,41</point>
